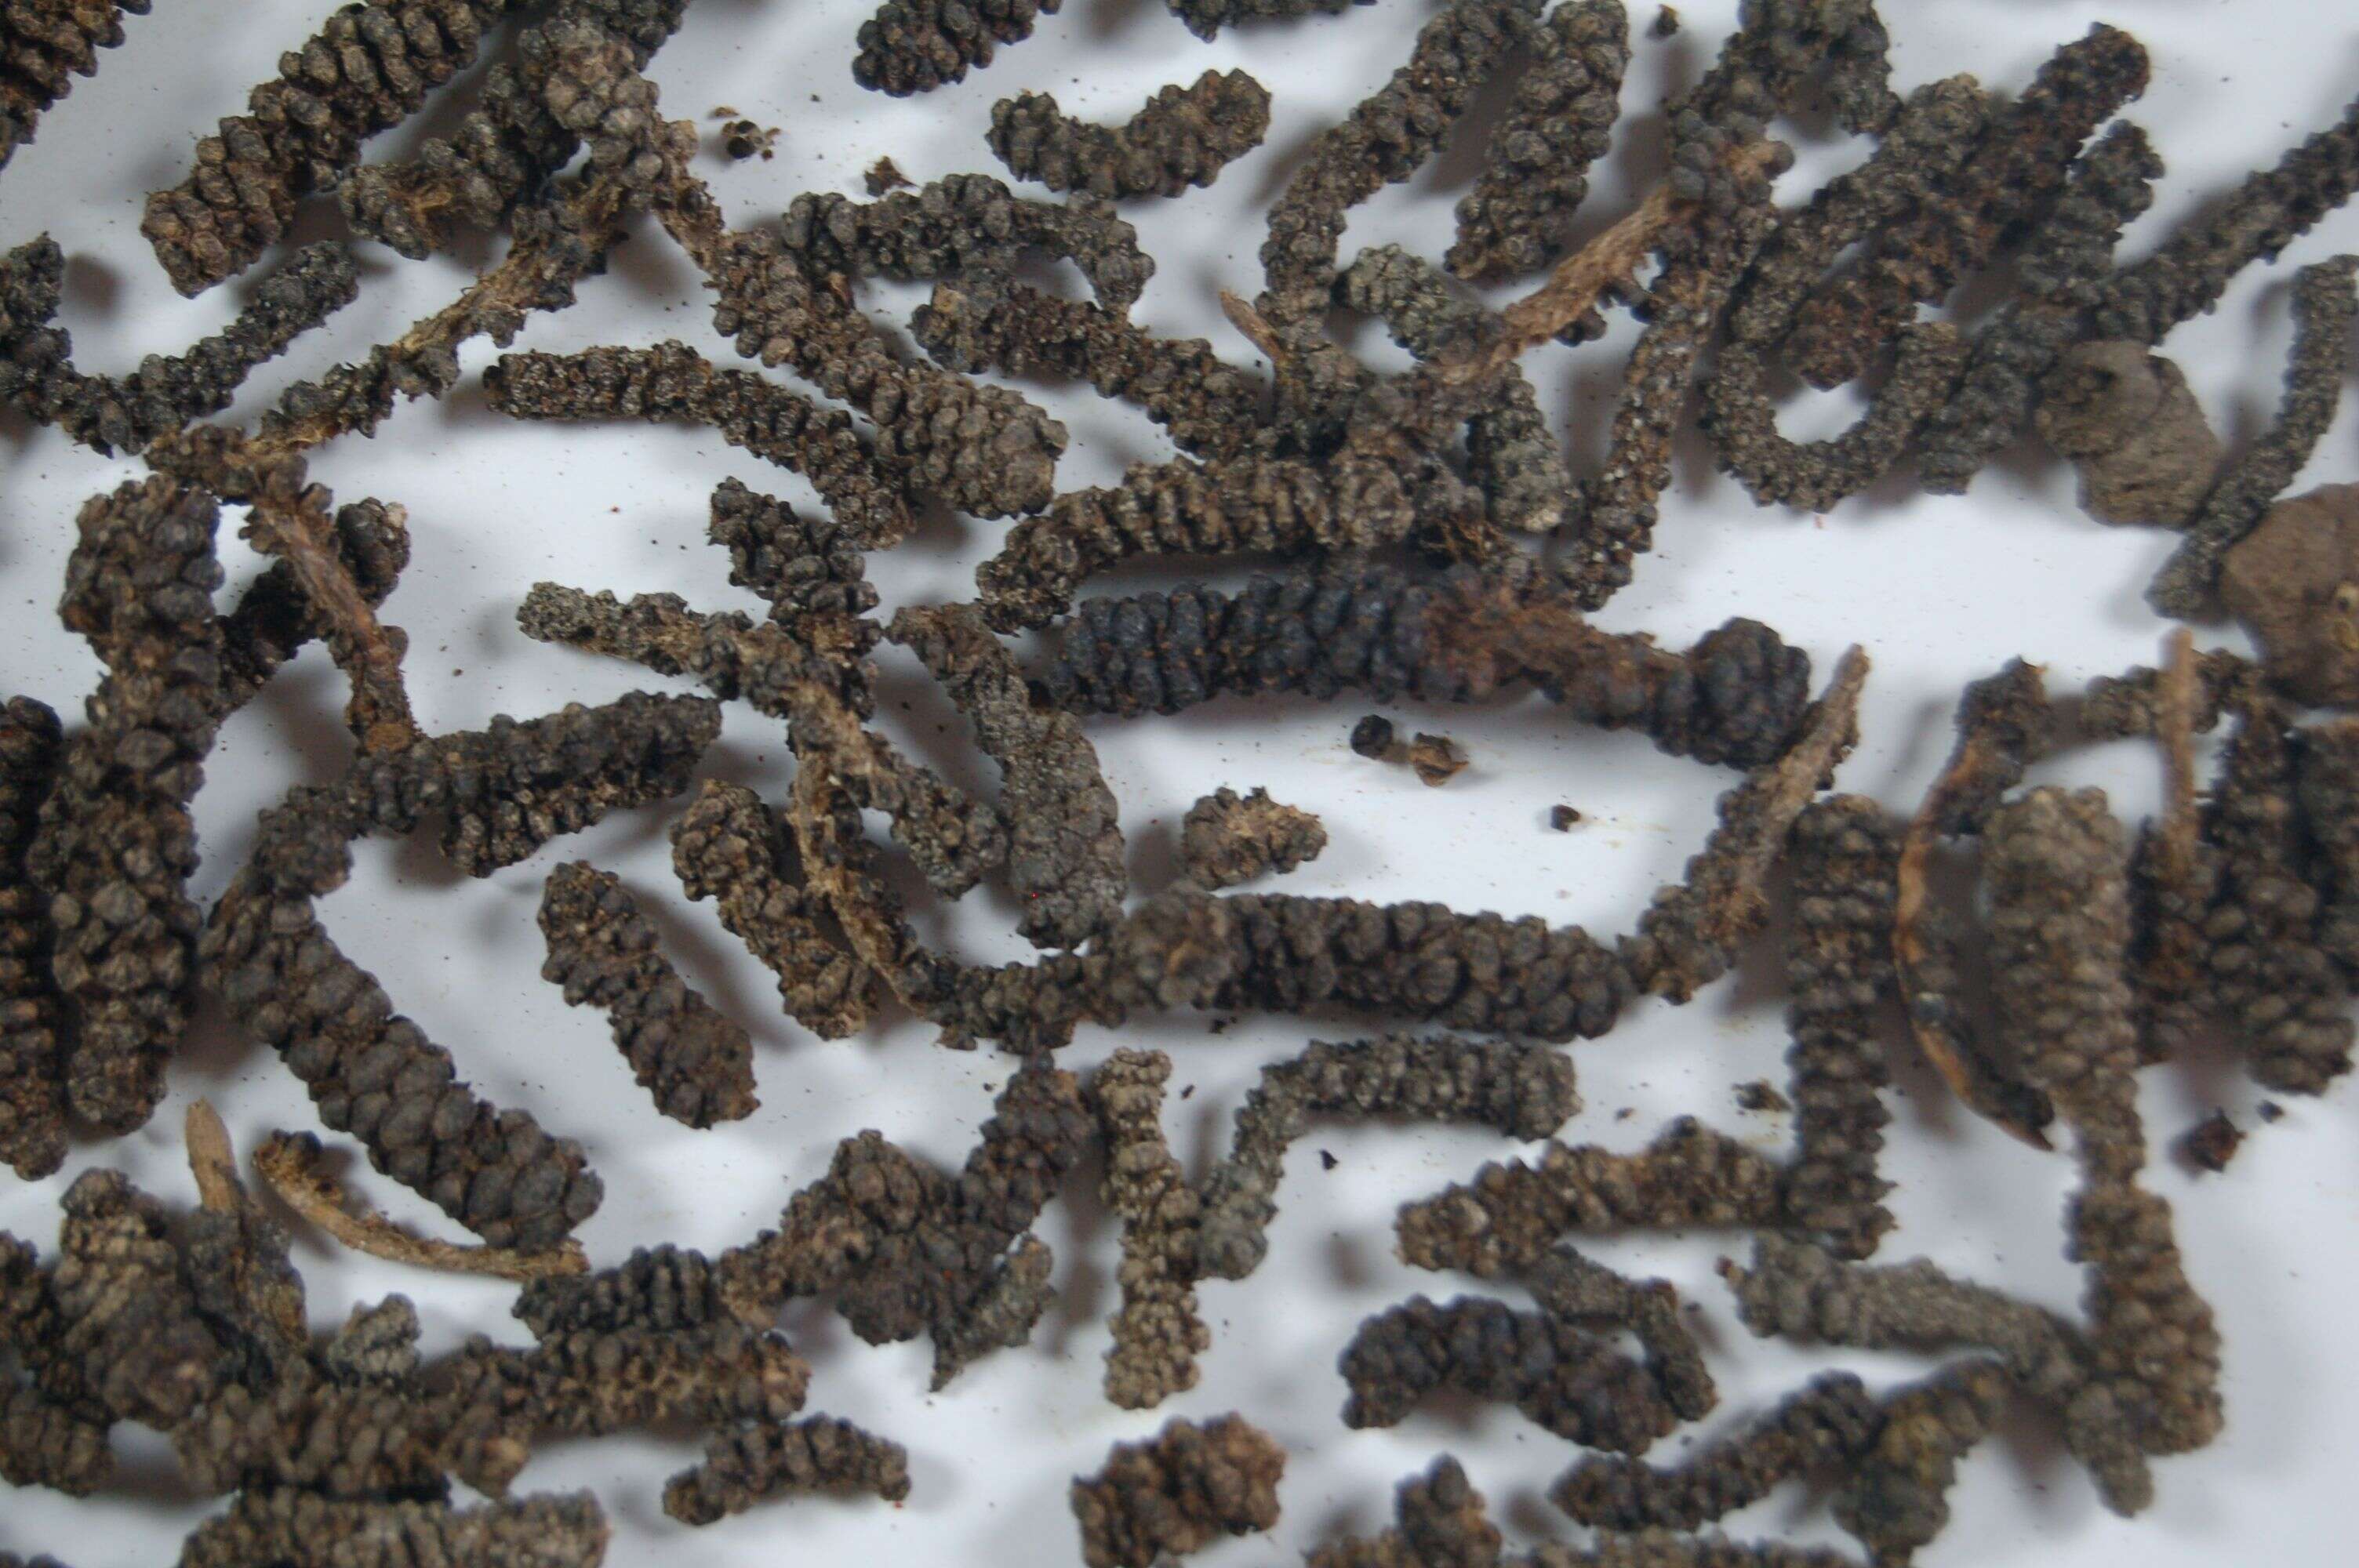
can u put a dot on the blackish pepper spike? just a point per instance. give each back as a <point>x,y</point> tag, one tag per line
<point>2328,789</point>
<point>916,46</point>
<point>1562,1378</point>
<point>2326,301</point>
<point>32,1089</point>
<point>810,569</point>
<point>602,950</point>
<point>1065,857</point>
<point>1229,838</point>
<point>1177,1493</point>
<point>1781,47</point>
<point>756,1462</point>
<point>1183,137</point>
<point>1897,1499</point>
<point>43,47</point>
<point>1205,18</point>
<point>2010,179</point>
<point>369,68</point>
<point>1535,169</point>
<point>116,844</point>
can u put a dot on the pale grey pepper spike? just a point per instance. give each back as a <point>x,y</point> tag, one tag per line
<point>1525,1091</point>
<point>1227,839</point>
<point>124,413</point>
<point>673,382</point>
<point>916,46</point>
<point>967,226</point>
<point>1796,1290</point>
<point>2062,264</point>
<point>1065,853</point>
<point>754,1463</point>
<point>32,1093</point>
<point>1178,1492</point>
<point>365,70</point>
<point>2325,303</point>
<point>116,843</point>
<point>697,1064</point>
<point>506,146</point>
<point>1510,450</point>
<point>1927,141</point>
<point>1205,18</point>
<point>1183,137</point>
<point>43,47</point>
<point>1535,167</point>
<point>2185,274</point>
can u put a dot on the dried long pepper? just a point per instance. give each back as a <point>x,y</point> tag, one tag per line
<point>1177,1493</point>
<point>1227,839</point>
<point>44,44</point>
<point>760,1461</point>
<point>916,46</point>
<point>1536,166</point>
<point>32,1093</point>
<point>1184,136</point>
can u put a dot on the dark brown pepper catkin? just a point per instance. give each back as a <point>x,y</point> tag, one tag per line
<point>1536,166</point>
<point>1183,137</point>
<point>370,67</point>
<point>1205,18</point>
<point>1573,1383</point>
<point>1157,1333</point>
<point>2328,785</point>
<point>731,847</point>
<point>673,382</point>
<point>1896,1498</point>
<point>116,844</point>
<point>273,1526</point>
<point>32,1093</point>
<point>602,950</point>
<point>44,44</point>
<point>1177,1493</point>
<point>916,46</point>
<point>1229,838</point>
<point>761,1461</point>
<point>2013,174</point>
<point>1065,856</point>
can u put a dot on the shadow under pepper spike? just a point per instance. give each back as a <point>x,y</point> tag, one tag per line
<point>45,45</point>
<point>1183,137</point>
<point>1178,1492</point>
<point>916,46</point>
<point>697,1064</point>
<point>2325,303</point>
<point>1065,853</point>
<point>369,68</point>
<point>2012,176</point>
<point>756,1462</point>
<point>1536,166</point>
<point>32,1089</point>
<point>116,843</point>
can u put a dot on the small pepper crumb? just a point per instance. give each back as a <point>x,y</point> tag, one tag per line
<point>1437,759</point>
<point>1564,818</point>
<point>1327,1162</point>
<point>2271,1111</point>
<point>742,139</point>
<point>2214,1142</point>
<point>1372,736</point>
<point>1761,1094</point>
<point>885,175</point>
<point>1666,24</point>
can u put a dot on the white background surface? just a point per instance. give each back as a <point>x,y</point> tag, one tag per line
<point>1939,590</point>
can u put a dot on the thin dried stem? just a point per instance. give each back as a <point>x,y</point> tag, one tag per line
<point>289,1163</point>
<point>212,1160</point>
